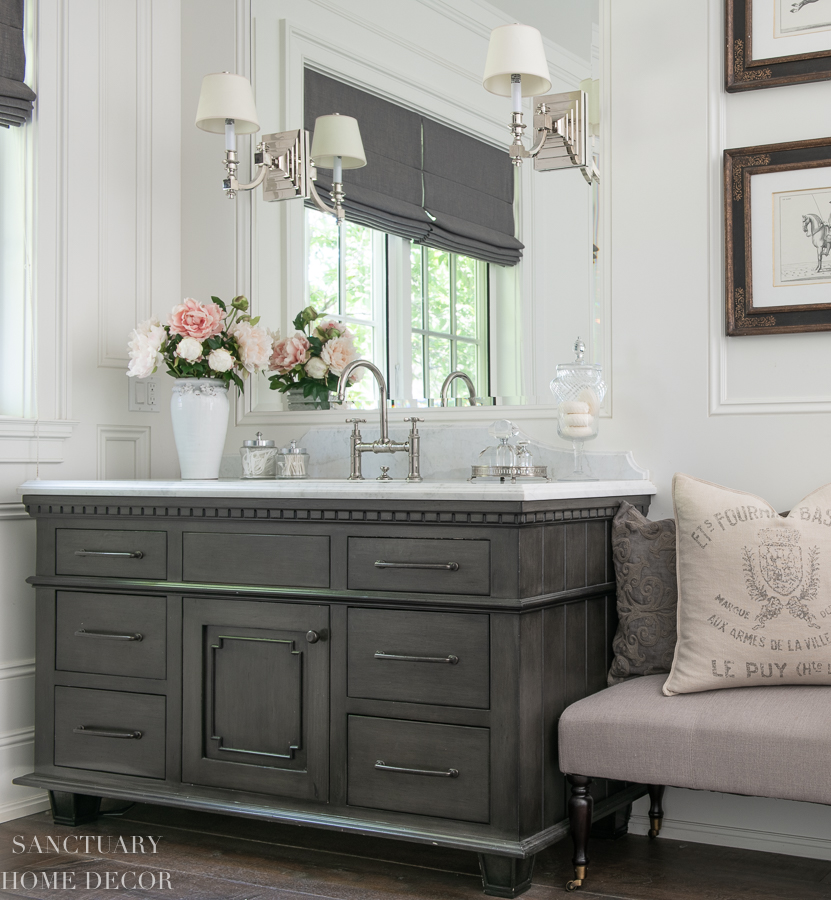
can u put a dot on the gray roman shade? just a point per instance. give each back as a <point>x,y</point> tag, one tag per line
<point>16,98</point>
<point>423,181</point>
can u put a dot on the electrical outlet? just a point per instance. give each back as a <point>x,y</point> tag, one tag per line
<point>143,394</point>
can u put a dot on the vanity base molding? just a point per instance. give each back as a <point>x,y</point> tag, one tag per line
<point>422,667</point>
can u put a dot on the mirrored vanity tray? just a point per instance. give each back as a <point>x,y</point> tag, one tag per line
<point>511,473</point>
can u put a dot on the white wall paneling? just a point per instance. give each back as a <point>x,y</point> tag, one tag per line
<point>123,452</point>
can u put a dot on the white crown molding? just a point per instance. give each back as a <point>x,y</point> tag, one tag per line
<point>17,736</point>
<point>11,511</point>
<point>729,836</point>
<point>33,440</point>
<point>21,668</point>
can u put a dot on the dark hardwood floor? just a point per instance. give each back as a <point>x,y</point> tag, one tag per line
<point>213,857</point>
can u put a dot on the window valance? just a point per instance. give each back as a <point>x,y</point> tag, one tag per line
<point>423,181</point>
<point>16,98</point>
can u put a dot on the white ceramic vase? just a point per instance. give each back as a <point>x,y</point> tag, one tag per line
<point>199,412</point>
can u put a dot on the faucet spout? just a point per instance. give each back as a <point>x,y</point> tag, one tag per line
<point>343,383</point>
<point>445,388</point>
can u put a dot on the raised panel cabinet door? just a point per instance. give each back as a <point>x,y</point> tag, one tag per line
<point>256,696</point>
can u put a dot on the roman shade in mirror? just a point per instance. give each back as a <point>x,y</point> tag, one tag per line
<point>16,98</point>
<point>423,181</point>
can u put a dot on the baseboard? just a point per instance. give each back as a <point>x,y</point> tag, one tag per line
<point>744,838</point>
<point>17,809</point>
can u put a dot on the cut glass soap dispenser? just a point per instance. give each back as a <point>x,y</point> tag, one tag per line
<point>579,389</point>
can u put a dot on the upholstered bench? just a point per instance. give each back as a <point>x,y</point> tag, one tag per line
<point>766,742</point>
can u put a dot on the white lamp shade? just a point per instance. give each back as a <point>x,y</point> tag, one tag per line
<point>337,135</point>
<point>226,96</point>
<point>516,50</point>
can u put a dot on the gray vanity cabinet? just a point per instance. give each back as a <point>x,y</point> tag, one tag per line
<point>387,668</point>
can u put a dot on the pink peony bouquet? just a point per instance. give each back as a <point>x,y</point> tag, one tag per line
<point>202,340</point>
<point>313,357</point>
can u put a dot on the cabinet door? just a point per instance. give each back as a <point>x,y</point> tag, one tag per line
<point>256,696</point>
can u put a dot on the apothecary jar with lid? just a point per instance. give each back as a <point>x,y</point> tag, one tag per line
<point>579,389</point>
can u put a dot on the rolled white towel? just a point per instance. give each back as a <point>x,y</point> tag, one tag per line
<point>590,398</point>
<point>576,431</point>
<point>577,419</point>
<point>569,407</point>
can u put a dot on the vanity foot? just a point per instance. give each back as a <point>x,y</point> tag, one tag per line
<point>505,876</point>
<point>73,809</point>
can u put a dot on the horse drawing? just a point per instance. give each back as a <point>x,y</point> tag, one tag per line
<point>795,7</point>
<point>820,235</point>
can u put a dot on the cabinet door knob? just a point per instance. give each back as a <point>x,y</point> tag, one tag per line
<point>312,637</point>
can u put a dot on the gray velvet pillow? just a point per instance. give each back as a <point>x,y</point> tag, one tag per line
<point>647,594</point>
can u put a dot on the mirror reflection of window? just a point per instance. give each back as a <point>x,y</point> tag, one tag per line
<point>449,299</point>
<point>346,281</point>
<point>447,329</point>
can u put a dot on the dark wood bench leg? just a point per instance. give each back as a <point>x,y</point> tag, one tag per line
<point>505,876</point>
<point>656,808</point>
<point>580,817</point>
<point>73,809</point>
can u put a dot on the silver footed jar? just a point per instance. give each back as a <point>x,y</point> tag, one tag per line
<point>199,411</point>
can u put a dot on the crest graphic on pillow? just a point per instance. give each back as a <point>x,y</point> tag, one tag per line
<point>780,562</point>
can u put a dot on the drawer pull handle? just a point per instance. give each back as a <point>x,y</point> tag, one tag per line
<point>109,635</point>
<point>103,732</point>
<point>449,773</point>
<point>383,564</point>
<point>450,660</point>
<point>127,554</point>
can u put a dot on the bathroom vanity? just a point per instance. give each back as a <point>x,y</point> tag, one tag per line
<point>385,659</point>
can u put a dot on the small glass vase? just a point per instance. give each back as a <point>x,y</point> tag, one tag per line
<point>296,402</point>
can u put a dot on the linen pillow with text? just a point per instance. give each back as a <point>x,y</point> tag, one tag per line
<point>754,589</point>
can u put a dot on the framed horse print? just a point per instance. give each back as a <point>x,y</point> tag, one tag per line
<point>777,238</point>
<point>775,42</point>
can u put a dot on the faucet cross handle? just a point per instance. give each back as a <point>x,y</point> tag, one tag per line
<point>413,420</point>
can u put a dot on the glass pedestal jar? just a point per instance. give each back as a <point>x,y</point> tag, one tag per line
<point>579,389</point>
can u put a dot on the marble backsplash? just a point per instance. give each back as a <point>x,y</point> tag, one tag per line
<point>447,453</point>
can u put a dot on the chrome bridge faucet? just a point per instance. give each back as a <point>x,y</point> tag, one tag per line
<point>357,446</point>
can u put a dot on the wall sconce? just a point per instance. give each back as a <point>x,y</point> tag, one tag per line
<point>516,67</point>
<point>285,163</point>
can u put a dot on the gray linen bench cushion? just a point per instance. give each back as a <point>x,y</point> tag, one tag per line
<point>761,741</point>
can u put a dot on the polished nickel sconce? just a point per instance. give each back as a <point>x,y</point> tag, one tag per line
<point>285,161</point>
<point>516,67</point>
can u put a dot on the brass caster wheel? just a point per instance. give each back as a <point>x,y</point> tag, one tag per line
<point>573,885</point>
<point>655,830</point>
<point>652,833</point>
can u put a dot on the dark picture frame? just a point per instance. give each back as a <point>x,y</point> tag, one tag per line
<point>743,73</point>
<point>743,317</point>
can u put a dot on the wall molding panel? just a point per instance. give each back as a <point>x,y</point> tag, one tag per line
<point>109,435</point>
<point>33,440</point>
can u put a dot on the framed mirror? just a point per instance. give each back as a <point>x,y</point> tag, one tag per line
<point>420,312</point>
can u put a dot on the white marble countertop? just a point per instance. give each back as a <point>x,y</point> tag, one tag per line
<point>340,489</point>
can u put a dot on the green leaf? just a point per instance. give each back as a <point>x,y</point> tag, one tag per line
<point>219,303</point>
<point>237,381</point>
<point>254,320</point>
<point>298,321</point>
<point>308,387</point>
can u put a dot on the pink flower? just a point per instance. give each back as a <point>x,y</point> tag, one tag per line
<point>144,345</point>
<point>254,345</point>
<point>331,328</point>
<point>196,320</point>
<point>290,352</point>
<point>338,353</point>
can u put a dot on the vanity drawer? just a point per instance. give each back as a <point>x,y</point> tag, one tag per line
<point>419,565</point>
<point>274,560</point>
<point>419,657</point>
<point>110,731</point>
<point>111,634</point>
<point>118,554</point>
<point>419,767</point>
